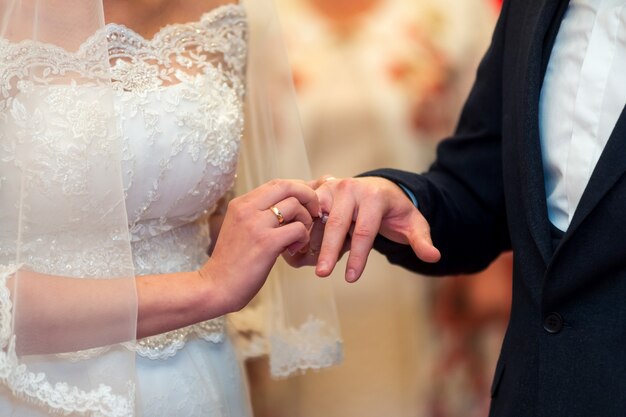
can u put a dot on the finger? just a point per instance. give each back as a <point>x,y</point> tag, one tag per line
<point>302,215</point>
<point>274,191</point>
<point>335,233</point>
<point>316,234</point>
<point>291,237</point>
<point>291,210</point>
<point>325,198</point>
<point>298,259</point>
<point>308,254</point>
<point>421,242</point>
<point>365,231</point>
<point>315,184</point>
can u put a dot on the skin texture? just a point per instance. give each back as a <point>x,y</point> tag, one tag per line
<point>72,314</point>
<point>248,245</point>
<point>360,209</point>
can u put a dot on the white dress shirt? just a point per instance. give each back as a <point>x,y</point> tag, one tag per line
<point>584,92</point>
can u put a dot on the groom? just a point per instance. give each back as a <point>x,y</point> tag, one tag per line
<point>536,165</point>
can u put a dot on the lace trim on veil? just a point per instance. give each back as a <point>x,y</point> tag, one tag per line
<point>311,346</point>
<point>36,389</point>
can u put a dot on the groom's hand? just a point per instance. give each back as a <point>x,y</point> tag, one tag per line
<point>360,208</point>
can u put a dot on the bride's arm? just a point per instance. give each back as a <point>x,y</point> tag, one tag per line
<point>67,314</point>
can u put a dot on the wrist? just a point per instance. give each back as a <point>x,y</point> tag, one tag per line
<point>214,296</point>
<point>172,301</point>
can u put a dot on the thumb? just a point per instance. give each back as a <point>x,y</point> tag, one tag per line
<point>422,243</point>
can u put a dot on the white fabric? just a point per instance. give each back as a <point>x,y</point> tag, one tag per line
<point>177,103</point>
<point>181,140</point>
<point>582,97</point>
<point>181,145</point>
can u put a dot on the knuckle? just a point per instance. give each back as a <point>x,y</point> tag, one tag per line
<point>345,185</point>
<point>305,220</point>
<point>362,233</point>
<point>371,190</point>
<point>238,210</point>
<point>274,183</point>
<point>374,193</point>
<point>302,229</point>
<point>335,222</point>
<point>234,203</point>
<point>298,232</point>
<point>292,202</point>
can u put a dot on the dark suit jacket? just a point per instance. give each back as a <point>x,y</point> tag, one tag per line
<point>564,353</point>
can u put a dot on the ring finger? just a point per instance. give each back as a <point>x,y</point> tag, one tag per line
<point>289,209</point>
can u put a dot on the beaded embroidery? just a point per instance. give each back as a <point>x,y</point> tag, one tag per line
<point>183,91</point>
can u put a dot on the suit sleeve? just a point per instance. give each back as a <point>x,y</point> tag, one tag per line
<point>462,194</point>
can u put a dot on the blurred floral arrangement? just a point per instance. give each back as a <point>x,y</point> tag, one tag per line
<point>429,70</point>
<point>422,58</point>
<point>428,73</point>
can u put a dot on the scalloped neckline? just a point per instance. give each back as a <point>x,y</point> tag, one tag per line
<point>206,16</point>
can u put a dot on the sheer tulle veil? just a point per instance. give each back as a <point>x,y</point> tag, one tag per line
<point>63,215</point>
<point>295,311</point>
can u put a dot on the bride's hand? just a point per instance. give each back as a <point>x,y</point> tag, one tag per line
<point>309,254</point>
<point>257,228</point>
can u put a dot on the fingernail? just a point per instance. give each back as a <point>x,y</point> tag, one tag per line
<point>324,218</point>
<point>322,267</point>
<point>351,275</point>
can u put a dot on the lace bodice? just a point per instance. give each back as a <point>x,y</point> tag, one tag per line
<point>179,98</point>
<point>178,103</point>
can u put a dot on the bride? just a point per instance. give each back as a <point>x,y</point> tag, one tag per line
<point>118,151</point>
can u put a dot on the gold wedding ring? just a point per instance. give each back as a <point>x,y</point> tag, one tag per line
<point>279,215</point>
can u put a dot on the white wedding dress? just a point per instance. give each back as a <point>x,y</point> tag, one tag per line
<point>181,111</point>
<point>179,159</point>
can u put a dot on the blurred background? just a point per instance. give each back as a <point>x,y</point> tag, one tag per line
<point>379,83</point>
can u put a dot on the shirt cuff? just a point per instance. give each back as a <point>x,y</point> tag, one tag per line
<point>409,194</point>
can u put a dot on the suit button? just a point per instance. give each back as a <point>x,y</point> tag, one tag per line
<point>553,323</point>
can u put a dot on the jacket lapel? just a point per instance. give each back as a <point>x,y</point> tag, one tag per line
<point>543,17</point>
<point>610,168</point>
